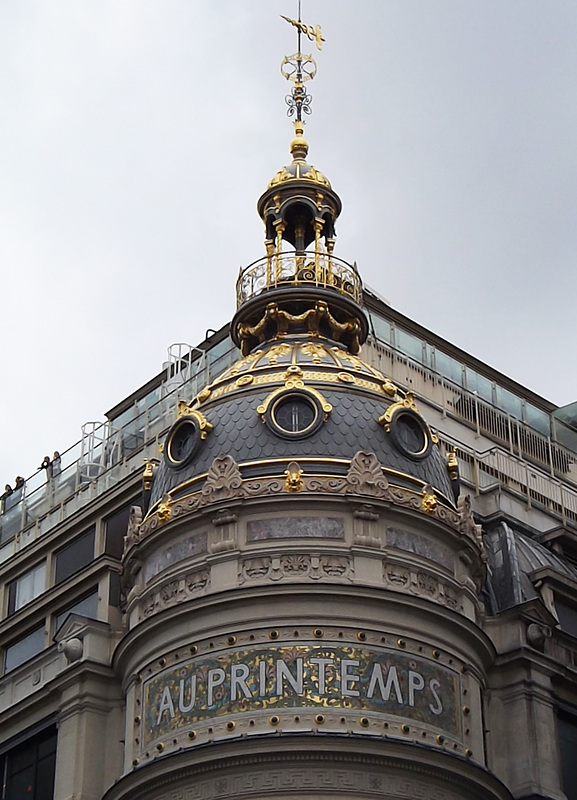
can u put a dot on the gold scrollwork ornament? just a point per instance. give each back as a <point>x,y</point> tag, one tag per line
<point>184,410</point>
<point>408,402</point>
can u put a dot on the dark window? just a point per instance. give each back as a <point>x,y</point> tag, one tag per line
<point>86,607</point>
<point>114,592</point>
<point>182,442</point>
<point>28,769</point>
<point>294,414</point>
<point>25,588</point>
<point>23,649</point>
<point>409,434</point>
<point>567,617</point>
<point>74,556</point>
<point>567,726</point>
<point>116,527</point>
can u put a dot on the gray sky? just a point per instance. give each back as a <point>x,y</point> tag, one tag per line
<point>136,136</point>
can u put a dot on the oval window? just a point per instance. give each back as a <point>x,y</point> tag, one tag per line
<point>182,442</point>
<point>294,415</point>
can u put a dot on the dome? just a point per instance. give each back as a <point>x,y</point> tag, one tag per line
<point>299,169</point>
<point>305,400</point>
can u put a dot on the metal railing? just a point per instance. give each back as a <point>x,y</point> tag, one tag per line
<point>281,270</point>
<point>528,464</point>
<point>105,455</point>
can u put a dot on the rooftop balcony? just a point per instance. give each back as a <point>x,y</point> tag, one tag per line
<point>308,269</point>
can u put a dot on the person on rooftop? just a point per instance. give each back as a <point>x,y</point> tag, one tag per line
<point>55,465</point>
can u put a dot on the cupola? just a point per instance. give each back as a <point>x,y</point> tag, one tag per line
<point>299,286</point>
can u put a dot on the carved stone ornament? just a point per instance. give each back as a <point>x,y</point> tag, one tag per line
<point>174,592</point>
<point>296,566</point>
<point>365,475</point>
<point>133,530</point>
<point>537,635</point>
<point>467,524</point>
<point>364,479</point>
<point>223,481</point>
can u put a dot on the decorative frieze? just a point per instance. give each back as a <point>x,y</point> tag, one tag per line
<point>294,780</point>
<point>365,478</point>
<point>175,591</point>
<point>419,582</point>
<point>296,565</point>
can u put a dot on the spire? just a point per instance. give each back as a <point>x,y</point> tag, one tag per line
<point>299,287</point>
<point>300,68</point>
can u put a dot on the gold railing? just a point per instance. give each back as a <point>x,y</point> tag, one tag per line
<point>281,270</point>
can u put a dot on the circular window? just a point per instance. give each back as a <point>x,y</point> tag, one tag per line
<point>294,415</point>
<point>182,442</point>
<point>410,434</point>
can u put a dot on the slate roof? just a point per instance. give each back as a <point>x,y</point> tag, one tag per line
<point>239,431</point>
<point>511,558</point>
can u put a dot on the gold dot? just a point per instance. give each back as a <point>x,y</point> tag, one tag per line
<point>401,643</point>
<point>469,753</point>
<point>318,633</point>
<point>160,747</point>
<point>274,721</point>
<point>440,738</point>
<point>231,639</point>
<point>137,720</point>
<point>319,719</point>
<point>405,728</point>
<point>192,735</point>
<point>364,722</point>
<point>436,654</point>
<point>273,635</point>
<point>193,650</point>
<point>230,726</point>
<point>361,636</point>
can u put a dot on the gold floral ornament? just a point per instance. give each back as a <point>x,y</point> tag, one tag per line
<point>429,501</point>
<point>184,410</point>
<point>164,510</point>
<point>294,481</point>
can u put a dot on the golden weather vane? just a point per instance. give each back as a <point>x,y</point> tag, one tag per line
<point>313,33</point>
<point>299,68</point>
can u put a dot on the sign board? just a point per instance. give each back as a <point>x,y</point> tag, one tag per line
<point>307,674</point>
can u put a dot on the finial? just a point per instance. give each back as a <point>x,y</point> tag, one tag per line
<point>300,68</point>
<point>299,145</point>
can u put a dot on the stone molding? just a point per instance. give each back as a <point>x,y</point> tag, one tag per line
<point>365,478</point>
<point>409,775</point>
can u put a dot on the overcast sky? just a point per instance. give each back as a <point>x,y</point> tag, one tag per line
<point>136,136</point>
